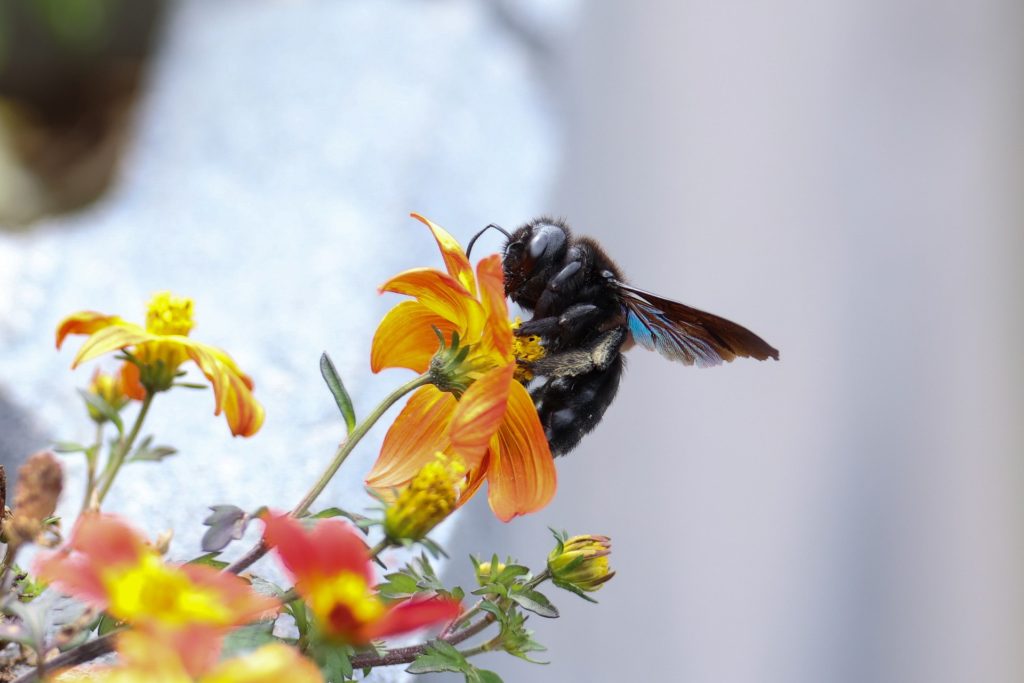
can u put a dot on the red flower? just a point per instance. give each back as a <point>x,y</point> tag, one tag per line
<point>334,574</point>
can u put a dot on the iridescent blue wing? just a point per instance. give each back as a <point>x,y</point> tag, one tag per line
<point>685,334</point>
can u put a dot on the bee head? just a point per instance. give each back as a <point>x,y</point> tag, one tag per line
<point>532,256</point>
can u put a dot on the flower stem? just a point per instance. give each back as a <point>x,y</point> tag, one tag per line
<point>349,443</point>
<point>90,468</point>
<point>123,449</point>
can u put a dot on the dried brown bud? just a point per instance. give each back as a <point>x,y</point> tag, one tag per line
<point>40,481</point>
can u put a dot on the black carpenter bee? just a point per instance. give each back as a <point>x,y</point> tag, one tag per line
<point>587,316</point>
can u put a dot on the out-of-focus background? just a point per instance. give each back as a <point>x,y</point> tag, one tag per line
<point>843,177</point>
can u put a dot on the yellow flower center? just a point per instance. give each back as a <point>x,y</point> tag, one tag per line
<point>344,602</point>
<point>427,500</point>
<point>168,314</point>
<point>152,590</point>
<point>527,349</point>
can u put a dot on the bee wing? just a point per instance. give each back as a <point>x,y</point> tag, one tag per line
<point>685,334</point>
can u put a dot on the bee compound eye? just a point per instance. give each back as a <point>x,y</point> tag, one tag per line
<point>547,239</point>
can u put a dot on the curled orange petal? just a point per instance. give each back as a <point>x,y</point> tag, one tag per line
<point>84,322</point>
<point>442,294</point>
<point>405,338</point>
<point>497,333</point>
<point>232,389</point>
<point>455,259</point>
<point>521,477</point>
<point>419,431</point>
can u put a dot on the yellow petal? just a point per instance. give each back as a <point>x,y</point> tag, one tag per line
<point>497,334</point>
<point>442,294</point>
<point>479,412</point>
<point>521,476</point>
<point>232,389</point>
<point>405,337</point>
<point>84,322</point>
<point>116,336</point>
<point>419,431</point>
<point>455,259</point>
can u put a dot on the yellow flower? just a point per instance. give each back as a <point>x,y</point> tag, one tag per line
<point>160,348</point>
<point>474,408</point>
<point>147,659</point>
<point>110,388</point>
<point>430,497</point>
<point>581,562</point>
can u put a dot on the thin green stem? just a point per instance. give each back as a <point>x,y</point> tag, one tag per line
<point>90,468</point>
<point>349,443</point>
<point>539,579</point>
<point>492,644</point>
<point>379,548</point>
<point>124,448</point>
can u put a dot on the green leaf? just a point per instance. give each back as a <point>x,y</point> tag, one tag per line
<point>103,408</point>
<point>535,602</point>
<point>399,585</point>
<point>334,663</point>
<point>248,638</point>
<point>145,452</point>
<point>483,676</point>
<point>69,447</point>
<point>300,613</point>
<point>209,559</point>
<point>510,572</point>
<point>439,656</point>
<point>107,624</point>
<point>573,589</point>
<point>341,397</point>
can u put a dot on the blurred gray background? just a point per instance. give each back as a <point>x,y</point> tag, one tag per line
<point>842,177</point>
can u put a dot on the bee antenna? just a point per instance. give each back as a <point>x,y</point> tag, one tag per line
<point>500,229</point>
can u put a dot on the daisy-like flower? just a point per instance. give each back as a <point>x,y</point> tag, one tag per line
<point>146,659</point>
<point>474,410</point>
<point>108,565</point>
<point>160,348</point>
<point>334,574</point>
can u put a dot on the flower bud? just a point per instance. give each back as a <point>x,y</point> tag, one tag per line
<point>431,496</point>
<point>40,481</point>
<point>110,388</point>
<point>483,572</point>
<point>581,562</point>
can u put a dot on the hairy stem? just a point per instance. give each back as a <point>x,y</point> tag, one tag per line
<point>124,448</point>
<point>90,468</point>
<point>349,443</point>
<point>406,655</point>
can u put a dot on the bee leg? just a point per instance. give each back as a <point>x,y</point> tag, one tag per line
<point>570,407</point>
<point>595,356</point>
<point>575,318</point>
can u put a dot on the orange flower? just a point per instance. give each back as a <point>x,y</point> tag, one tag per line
<point>333,572</point>
<point>493,428</point>
<point>146,659</point>
<point>108,565</point>
<point>159,349</point>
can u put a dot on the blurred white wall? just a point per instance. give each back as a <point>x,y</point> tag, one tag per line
<point>844,178</point>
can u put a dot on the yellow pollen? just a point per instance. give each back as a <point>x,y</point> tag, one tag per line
<point>168,314</point>
<point>427,500</point>
<point>152,590</point>
<point>349,590</point>
<point>527,349</point>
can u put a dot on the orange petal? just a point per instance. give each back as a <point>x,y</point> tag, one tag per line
<point>442,294</point>
<point>232,389</point>
<point>521,477</point>
<point>497,333</point>
<point>330,548</point>
<point>84,322</point>
<point>405,338</point>
<point>130,384</point>
<point>235,594</point>
<point>111,338</point>
<point>419,431</point>
<point>455,259</point>
<point>479,412</point>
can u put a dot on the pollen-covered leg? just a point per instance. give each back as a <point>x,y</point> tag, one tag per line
<point>596,356</point>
